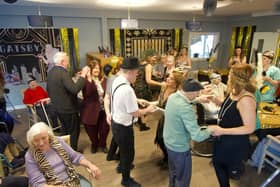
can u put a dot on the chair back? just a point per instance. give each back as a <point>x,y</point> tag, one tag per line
<point>269,154</point>
<point>66,138</point>
<point>200,114</point>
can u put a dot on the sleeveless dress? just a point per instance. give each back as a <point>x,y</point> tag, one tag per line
<point>140,86</point>
<point>231,149</point>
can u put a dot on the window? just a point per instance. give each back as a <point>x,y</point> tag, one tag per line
<point>202,43</point>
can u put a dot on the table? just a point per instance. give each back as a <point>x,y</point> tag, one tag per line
<point>269,119</point>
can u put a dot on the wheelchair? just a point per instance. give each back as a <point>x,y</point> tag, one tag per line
<point>204,148</point>
<point>6,166</point>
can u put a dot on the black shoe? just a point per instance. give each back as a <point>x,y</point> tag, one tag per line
<point>119,170</point>
<point>17,162</point>
<point>114,157</point>
<point>143,127</point>
<point>104,149</point>
<point>93,150</point>
<point>236,173</point>
<point>130,183</point>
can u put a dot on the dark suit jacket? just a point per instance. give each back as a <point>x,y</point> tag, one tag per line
<point>63,91</point>
<point>91,106</point>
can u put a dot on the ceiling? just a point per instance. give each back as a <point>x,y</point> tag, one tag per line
<point>188,7</point>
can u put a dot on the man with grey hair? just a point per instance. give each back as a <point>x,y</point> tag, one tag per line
<point>63,93</point>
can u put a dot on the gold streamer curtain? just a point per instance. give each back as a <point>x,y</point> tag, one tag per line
<point>70,43</point>
<point>242,36</point>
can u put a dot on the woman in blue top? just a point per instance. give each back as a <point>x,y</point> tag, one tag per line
<point>271,77</point>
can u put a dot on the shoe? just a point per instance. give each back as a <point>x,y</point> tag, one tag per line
<point>119,170</point>
<point>104,149</point>
<point>93,150</point>
<point>130,183</point>
<point>236,173</point>
<point>143,127</point>
<point>17,162</point>
<point>114,157</point>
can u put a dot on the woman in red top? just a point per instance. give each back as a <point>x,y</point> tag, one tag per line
<point>34,95</point>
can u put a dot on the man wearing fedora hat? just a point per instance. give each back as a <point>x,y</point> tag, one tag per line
<point>125,111</point>
<point>180,127</point>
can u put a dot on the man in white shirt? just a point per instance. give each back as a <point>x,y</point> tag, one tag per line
<point>125,111</point>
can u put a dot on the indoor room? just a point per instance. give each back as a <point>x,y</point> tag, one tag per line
<point>140,93</point>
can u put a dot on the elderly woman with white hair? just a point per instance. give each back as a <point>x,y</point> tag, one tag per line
<point>49,160</point>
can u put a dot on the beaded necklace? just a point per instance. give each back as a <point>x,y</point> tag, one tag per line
<point>224,109</point>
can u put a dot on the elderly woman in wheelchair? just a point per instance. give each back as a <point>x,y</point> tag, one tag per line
<point>49,160</point>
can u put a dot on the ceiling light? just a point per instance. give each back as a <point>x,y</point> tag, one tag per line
<point>191,6</point>
<point>125,3</point>
<point>44,1</point>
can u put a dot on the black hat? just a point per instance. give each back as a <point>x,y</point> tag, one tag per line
<point>130,63</point>
<point>31,78</point>
<point>107,69</point>
<point>191,85</point>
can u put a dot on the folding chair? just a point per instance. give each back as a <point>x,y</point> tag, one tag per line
<point>269,156</point>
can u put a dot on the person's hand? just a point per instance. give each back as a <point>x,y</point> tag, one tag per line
<point>215,130</point>
<point>162,84</point>
<point>266,78</point>
<point>109,118</point>
<point>94,171</point>
<point>151,108</point>
<point>142,102</point>
<point>203,98</point>
<point>207,90</point>
<point>40,56</point>
<point>85,71</point>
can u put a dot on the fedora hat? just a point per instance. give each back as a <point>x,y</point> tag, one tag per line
<point>130,63</point>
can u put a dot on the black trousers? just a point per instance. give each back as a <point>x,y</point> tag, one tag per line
<point>124,137</point>
<point>113,146</point>
<point>70,124</point>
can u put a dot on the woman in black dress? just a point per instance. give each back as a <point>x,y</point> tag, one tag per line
<point>237,119</point>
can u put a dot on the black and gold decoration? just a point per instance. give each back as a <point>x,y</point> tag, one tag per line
<point>70,43</point>
<point>242,36</point>
<point>134,41</point>
<point>19,50</point>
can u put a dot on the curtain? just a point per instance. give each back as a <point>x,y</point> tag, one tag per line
<point>133,42</point>
<point>242,36</point>
<point>70,42</point>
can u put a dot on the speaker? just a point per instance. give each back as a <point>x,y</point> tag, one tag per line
<point>40,21</point>
<point>10,1</point>
<point>209,7</point>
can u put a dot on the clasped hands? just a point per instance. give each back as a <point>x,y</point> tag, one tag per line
<point>150,107</point>
<point>215,130</point>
